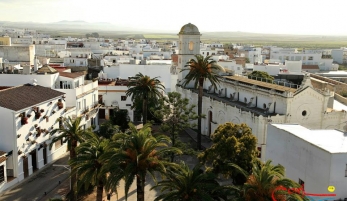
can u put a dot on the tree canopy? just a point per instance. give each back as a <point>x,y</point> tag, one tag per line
<point>232,143</point>
<point>261,76</point>
<point>176,115</point>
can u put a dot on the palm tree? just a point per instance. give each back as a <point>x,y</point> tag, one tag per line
<point>142,87</point>
<point>184,184</point>
<point>201,69</point>
<point>88,164</point>
<point>71,132</point>
<point>268,182</point>
<point>134,155</point>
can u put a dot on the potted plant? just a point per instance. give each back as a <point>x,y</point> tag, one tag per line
<point>24,157</point>
<point>53,112</point>
<point>30,133</point>
<point>42,110</point>
<point>19,152</point>
<point>20,115</point>
<point>37,115</point>
<point>33,141</point>
<point>28,115</point>
<point>24,120</point>
<point>60,104</point>
<point>18,136</point>
<point>35,125</point>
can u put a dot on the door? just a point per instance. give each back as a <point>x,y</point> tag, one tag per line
<point>44,155</point>
<point>209,123</point>
<point>101,113</point>
<point>111,113</point>
<point>25,167</point>
<point>33,160</point>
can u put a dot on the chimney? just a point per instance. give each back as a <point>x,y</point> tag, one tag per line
<point>35,64</point>
<point>26,69</point>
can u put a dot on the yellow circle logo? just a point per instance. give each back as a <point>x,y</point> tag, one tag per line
<point>331,189</point>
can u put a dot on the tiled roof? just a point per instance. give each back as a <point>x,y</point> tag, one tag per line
<point>310,67</point>
<point>2,153</point>
<point>2,159</point>
<point>71,75</point>
<point>260,84</point>
<point>47,69</point>
<point>18,98</point>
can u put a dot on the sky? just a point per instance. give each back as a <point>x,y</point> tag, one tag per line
<point>313,17</point>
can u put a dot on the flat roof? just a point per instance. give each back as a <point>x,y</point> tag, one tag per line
<point>333,141</point>
<point>261,84</point>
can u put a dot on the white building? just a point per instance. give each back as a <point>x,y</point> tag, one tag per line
<point>241,100</point>
<point>82,95</point>
<point>315,158</point>
<point>28,113</point>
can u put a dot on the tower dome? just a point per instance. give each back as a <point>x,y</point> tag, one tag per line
<point>189,29</point>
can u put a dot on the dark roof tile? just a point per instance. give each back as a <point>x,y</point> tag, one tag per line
<point>18,98</point>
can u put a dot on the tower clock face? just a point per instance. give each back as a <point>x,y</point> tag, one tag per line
<point>191,45</point>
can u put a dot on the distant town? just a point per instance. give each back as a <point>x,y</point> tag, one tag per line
<point>291,103</point>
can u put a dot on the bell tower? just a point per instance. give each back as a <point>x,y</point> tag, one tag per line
<point>189,45</point>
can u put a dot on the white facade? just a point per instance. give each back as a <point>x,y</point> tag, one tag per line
<point>29,142</point>
<point>316,157</point>
<point>124,71</point>
<point>81,94</point>
<point>240,100</point>
<point>337,55</point>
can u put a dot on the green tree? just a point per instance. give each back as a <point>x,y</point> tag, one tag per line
<point>71,132</point>
<point>143,87</point>
<point>107,130</point>
<point>88,164</point>
<point>133,155</point>
<point>95,35</point>
<point>200,69</point>
<point>185,184</point>
<point>247,60</point>
<point>152,104</point>
<point>261,76</point>
<point>121,118</point>
<point>268,182</point>
<point>176,114</point>
<point>232,143</point>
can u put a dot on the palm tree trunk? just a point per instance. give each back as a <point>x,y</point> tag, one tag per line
<point>144,110</point>
<point>73,179</point>
<point>173,141</point>
<point>201,84</point>
<point>99,191</point>
<point>140,182</point>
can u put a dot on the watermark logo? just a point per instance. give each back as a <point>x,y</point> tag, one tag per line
<point>301,192</point>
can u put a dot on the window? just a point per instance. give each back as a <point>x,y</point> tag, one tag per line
<point>77,83</point>
<point>310,58</point>
<point>191,45</point>
<point>259,152</point>
<point>346,171</point>
<point>81,62</point>
<point>123,98</point>
<point>304,113</point>
<point>79,105</point>
<point>2,174</point>
<point>304,58</point>
<point>245,99</point>
<point>65,85</point>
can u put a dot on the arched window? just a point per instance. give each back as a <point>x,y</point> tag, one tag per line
<point>191,45</point>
